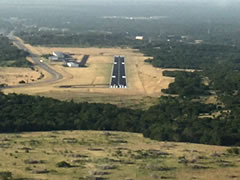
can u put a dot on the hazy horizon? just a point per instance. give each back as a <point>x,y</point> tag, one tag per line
<point>84,15</point>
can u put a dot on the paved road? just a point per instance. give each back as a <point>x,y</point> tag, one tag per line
<point>55,75</point>
<point>118,74</point>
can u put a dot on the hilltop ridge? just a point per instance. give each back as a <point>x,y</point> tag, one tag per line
<point>111,155</point>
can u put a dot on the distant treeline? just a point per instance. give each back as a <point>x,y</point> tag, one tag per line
<point>10,55</point>
<point>189,56</point>
<point>173,119</point>
<point>80,40</point>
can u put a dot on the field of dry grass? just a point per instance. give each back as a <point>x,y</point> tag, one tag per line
<point>111,155</point>
<point>91,83</point>
<point>12,76</point>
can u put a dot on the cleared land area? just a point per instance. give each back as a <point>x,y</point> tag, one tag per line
<point>92,83</point>
<point>13,76</point>
<point>111,155</point>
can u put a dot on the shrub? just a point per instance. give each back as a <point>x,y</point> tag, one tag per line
<point>5,175</point>
<point>234,150</point>
<point>63,164</point>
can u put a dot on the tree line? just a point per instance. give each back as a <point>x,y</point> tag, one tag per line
<point>186,84</point>
<point>172,119</point>
<point>189,56</point>
<point>10,55</point>
<point>78,39</point>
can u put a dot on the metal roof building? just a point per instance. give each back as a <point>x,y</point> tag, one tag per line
<point>72,64</point>
<point>59,54</point>
<point>53,58</point>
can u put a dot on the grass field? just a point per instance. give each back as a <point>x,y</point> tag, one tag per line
<point>91,83</point>
<point>111,155</point>
<point>12,76</point>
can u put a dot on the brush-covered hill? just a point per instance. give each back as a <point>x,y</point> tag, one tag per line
<point>111,155</point>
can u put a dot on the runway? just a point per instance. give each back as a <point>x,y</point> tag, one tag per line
<point>118,79</point>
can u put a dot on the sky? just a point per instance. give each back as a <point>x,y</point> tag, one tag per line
<point>158,7</point>
<point>212,3</point>
<point>216,2</point>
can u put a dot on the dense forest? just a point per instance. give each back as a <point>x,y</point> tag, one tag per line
<point>189,55</point>
<point>173,119</point>
<point>186,84</point>
<point>218,74</point>
<point>10,55</point>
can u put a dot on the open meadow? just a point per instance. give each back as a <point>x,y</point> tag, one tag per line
<point>13,76</point>
<point>111,155</point>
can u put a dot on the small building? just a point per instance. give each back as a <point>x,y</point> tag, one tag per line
<point>139,37</point>
<point>70,59</point>
<point>184,37</point>
<point>60,55</point>
<point>53,58</point>
<point>72,64</point>
<point>198,41</point>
